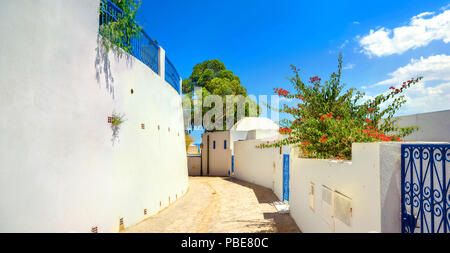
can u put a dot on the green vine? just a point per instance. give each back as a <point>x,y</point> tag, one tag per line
<point>118,34</point>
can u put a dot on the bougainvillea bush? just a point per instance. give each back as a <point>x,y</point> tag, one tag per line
<point>327,118</point>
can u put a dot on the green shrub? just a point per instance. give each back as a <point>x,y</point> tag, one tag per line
<point>328,119</point>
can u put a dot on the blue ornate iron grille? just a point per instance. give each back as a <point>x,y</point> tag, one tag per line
<point>424,188</point>
<point>286,177</point>
<point>143,47</point>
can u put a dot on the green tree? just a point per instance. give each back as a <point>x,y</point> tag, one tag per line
<point>212,78</point>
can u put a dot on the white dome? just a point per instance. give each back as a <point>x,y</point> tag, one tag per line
<point>255,123</point>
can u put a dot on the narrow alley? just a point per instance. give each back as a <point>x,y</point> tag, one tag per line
<point>220,205</point>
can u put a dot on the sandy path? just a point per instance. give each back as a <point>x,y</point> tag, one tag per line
<point>219,205</point>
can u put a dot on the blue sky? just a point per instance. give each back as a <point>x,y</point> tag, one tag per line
<point>382,42</point>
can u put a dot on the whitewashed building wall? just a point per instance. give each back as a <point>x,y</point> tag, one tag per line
<point>59,170</point>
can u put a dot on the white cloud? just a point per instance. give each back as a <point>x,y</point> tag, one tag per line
<point>427,99</point>
<point>423,96</point>
<point>420,32</point>
<point>445,7</point>
<point>356,22</point>
<point>423,14</point>
<point>343,44</point>
<point>436,67</point>
<point>349,66</point>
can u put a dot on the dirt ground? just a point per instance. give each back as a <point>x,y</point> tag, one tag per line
<point>220,205</point>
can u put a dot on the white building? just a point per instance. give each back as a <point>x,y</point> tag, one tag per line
<point>217,150</point>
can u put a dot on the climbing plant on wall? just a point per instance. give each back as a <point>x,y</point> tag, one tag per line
<point>118,33</point>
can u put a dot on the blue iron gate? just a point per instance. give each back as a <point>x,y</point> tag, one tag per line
<point>286,177</point>
<point>425,188</point>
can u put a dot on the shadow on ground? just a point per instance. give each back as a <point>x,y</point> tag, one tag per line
<point>283,222</point>
<point>263,194</point>
<point>279,222</point>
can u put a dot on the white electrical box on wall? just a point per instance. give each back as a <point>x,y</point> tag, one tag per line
<point>342,208</point>
<point>327,206</point>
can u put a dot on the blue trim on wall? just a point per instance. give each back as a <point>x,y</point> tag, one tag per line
<point>286,177</point>
<point>232,164</point>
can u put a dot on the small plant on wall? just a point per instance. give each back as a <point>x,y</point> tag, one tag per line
<point>116,121</point>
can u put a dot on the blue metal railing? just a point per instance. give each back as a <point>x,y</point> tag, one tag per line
<point>171,75</point>
<point>142,47</point>
<point>425,182</point>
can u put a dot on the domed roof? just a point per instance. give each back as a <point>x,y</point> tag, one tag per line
<point>252,123</point>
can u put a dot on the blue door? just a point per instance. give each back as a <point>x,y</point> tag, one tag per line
<point>286,177</point>
<point>232,164</point>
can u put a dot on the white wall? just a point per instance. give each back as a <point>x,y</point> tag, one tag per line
<point>359,180</point>
<point>371,181</point>
<point>59,171</point>
<point>194,165</point>
<point>434,126</point>
<point>390,187</point>
<point>259,166</point>
<point>219,157</point>
<point>259,134</point>
<point>237,136</point>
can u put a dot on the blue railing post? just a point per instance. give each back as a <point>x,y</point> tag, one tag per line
<point>402,189</point>
<point>162,62</point>
<point>445,188</point>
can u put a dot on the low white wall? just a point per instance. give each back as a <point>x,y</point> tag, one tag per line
<point>237,136</point>
<point>359,180</point>
<point>370,184</point>
<point>390,187</point>
<point>262,134</point>
<point>434,126</point>
<point>59,171</point>
<point>194,165</point>
<point>259,166</point>
<point>372,180</point>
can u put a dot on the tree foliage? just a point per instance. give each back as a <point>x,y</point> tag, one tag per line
<point>328,119</point>
<point>212,78</point>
